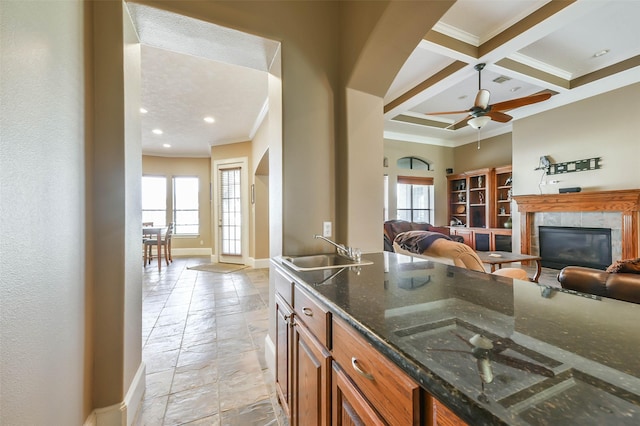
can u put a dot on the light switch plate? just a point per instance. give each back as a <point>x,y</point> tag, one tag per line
<point>326,229</point>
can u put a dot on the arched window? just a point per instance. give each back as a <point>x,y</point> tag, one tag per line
<point>413,163</point>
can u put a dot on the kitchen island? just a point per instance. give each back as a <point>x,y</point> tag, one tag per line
<point>491,349</point>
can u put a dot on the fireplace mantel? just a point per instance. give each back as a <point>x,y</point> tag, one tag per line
<point>626,201</point>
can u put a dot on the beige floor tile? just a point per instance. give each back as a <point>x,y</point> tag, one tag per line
<point>203,346</point>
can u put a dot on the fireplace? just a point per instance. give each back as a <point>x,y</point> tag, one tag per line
<point>624,203</point>
<point>562,246</point>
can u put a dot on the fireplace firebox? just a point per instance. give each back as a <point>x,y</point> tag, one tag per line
<point>562,246</point>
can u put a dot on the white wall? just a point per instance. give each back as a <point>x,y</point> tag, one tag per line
<point>42,206</point>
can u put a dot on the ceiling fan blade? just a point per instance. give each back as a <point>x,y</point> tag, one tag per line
<point>498,116</point>
<point>482,99</point>
<point>521,364</point>
<point>466,111</point>
<point>519,102</point>
<point>460,123</point>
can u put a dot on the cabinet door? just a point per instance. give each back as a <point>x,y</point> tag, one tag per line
<point>442,416</point>
<point>311,370</point>
<point>349,407</point>
<point>284,385</point>
<point>466,234</point>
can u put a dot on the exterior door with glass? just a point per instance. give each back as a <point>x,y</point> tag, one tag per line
<point>232,211</point>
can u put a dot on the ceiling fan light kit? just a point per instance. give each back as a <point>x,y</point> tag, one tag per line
<point>479,122</point>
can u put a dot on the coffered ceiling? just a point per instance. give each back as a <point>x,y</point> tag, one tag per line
<point>574,49</point>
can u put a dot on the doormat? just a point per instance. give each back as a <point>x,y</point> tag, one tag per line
<point>220,268</point>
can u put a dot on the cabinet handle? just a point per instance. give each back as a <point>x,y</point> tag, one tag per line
<point>307,311</point>
<point>354,364</point>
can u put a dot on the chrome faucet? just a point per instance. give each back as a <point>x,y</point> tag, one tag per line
<point>342,250</point>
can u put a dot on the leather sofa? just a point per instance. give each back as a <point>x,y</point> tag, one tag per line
<point>394,227</point>
<point>445,250</point>
<point>619,285</point>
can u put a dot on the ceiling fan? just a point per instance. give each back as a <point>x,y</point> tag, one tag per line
<point>481,112</point>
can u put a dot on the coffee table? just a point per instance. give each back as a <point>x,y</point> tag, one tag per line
<point>498,258</point>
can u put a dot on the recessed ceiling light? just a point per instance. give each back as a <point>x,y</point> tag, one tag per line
<point>515,89</point>
<point>166,145</point>
<point>157,131</point>
<point>462,97</point>
<point>209,119</point>
<point>601,53</point>
<point>143,111</point>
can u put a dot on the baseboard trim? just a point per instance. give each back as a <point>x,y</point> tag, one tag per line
<point>191,251</point>
<point>133,398</point>
<point>124,413</point>
<point>258,263</point>
<point>270,355</point>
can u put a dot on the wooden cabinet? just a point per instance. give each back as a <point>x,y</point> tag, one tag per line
<point>395,396</point>
<point>284,339</point>
<point>469,198</point>
<point>502,196</point>
<point>479,214</point>
<point>350,408</point>
<point>441,415</point>
<point>465,233</point>
<point>312,360</point>
<point>312,384</point>
<point>353,384</point>
<point>480,202</point>
<point>458,199</point>
<point>284,354</point>
<point>302,358</point>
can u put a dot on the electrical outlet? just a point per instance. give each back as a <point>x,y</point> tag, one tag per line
<point>326,229</point>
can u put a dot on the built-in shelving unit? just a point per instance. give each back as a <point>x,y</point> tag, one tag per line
<point>503,183</point>
<point>480,207</point>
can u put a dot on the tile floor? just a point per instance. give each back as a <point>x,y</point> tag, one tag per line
<point>203,346</point>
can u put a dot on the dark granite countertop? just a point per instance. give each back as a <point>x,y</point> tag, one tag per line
<point>557,357</point>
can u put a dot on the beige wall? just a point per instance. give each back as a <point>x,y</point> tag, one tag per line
<point>325,54</point>
<point>45,352</point>
<point>170,167</point>
<point>440,158</point>
<point>260,179</point>
<point>493,152</point>
<point>115,206</point>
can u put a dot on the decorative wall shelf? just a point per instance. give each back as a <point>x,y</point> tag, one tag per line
<point>574,166</point>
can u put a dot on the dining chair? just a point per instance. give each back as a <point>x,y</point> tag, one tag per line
<point>165,243</point>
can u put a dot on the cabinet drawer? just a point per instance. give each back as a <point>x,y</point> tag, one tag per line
<point>284,286</point>
<point>387,388</point>
<point>316,318</point>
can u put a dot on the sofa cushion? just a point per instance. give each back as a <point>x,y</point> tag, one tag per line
<point>630,266</point>
<point>418,241</point>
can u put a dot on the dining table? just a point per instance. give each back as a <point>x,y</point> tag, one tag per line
<point>159,232</point>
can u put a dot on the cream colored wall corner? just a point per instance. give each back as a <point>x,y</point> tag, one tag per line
<point>493,152</point>
<point>439,157</point>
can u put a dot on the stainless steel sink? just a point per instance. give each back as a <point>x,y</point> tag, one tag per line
<point>320,261</point>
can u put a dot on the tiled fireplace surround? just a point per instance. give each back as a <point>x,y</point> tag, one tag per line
<point>618,210</point>
<point>580,220</point>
